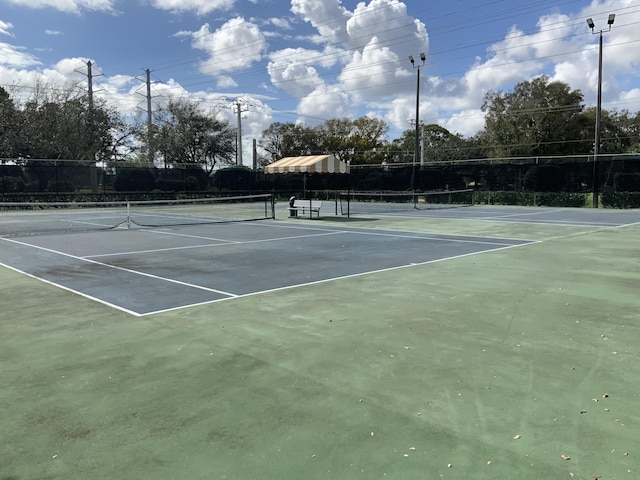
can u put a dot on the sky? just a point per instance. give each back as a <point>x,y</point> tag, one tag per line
<point>307,61</point>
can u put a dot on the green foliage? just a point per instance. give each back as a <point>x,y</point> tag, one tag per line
<point>560,199</point>
<point>530,199</point>
<point>356,141</point>
<point>620,199</point>
<point>187,135</point>
<point>540,117</point>
<point>134,180</point>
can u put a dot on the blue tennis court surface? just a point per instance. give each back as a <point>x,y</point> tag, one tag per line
<point>147,271</point>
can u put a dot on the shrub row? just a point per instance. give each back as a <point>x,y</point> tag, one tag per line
<point>547,199</point>
<point>620,199</point>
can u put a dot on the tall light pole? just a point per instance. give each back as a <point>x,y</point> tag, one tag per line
<point>596,146</point>
<point>423,59</point>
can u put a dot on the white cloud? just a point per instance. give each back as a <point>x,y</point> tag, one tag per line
<point>226,82</point>
<point>234,46</point>
<point>289,71</point>
<point>373,72</point>
<point>329,17</point>
<point>69,6</point>
<point>369,45</point>
<point>282,23</point>
<point>465,122</point>
<point>388,22</point>
<point>13,56</point>
<point>53,33</point>
<point>5,28</point>
<point>201,7</point>
<point>324,102</point>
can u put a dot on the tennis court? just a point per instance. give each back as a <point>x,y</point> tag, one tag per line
<point>147,271</point>
<point>477,342</point>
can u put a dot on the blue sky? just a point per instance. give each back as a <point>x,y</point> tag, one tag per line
<point>310,60</point>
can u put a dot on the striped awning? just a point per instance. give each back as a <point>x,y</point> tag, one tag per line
<point>308,164</point>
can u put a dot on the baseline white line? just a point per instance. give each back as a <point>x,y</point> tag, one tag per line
<point>628,225</point>
<point>446,239</point>
<point>75,292</point>
<point>356,229</point>
<point>556,223</point>
<point>128,270</point>
<point>561,223</point>
<point>543,212</point>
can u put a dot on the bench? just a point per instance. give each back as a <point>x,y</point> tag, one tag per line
<point>311,206</point>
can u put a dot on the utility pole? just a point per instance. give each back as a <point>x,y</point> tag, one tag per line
<point>149,97</point>
<point>149,119</point>
<point>240,108</point>
<point>89,76</point>
<point>93,174</point>
<point>90,81</point>
<point>255,154</point>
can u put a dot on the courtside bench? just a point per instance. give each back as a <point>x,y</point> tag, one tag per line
<point>306,206</point>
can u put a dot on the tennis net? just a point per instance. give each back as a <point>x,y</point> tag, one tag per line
<point>28,218</point>
<point>383,202</point>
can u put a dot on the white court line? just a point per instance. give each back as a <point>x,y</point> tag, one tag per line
<point>543,212</point>
<point>443,239</point>
<point>628,225</point>
<point>71,290</point>
<point>169,249</point>
<point>327,232</point>
<point>128,270</point>
<point>555,223</point>
<point>229,295</point>
<point>356,229</point>
<point>353,275</point>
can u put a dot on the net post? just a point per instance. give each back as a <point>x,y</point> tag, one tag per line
<point>272,201</point>
<point>128,215</point>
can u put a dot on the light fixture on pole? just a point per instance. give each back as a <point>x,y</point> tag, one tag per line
<point>596,145</point>
<point>423,59</point>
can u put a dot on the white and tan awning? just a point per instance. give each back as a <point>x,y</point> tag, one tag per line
<point>308,164</point>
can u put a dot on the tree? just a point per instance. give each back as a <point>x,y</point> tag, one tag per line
<point>186,135</point>
<point>65,130</point>
<point>539,117</point>
<point>288,140</point>
<point>61,134</point>
<point>619,131</point>
<point>354,141</point>
<point>9,128</point>
<point>440,145</point>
